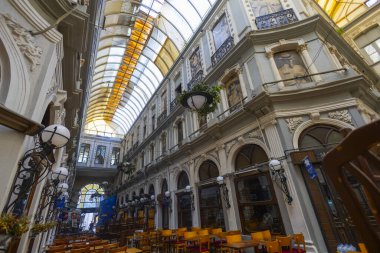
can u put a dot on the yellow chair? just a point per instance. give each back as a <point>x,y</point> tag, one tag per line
<point>299,239</point>
<point>234,238</point>
<point>181,229</point>
<point>363,248</point>
<point>273,247</point>
<point>267,235</point>
<point>233,232</point>
<point>257,237</point>
<point>216,231</point>
<point>285,242</point>
<point>118,250</point>
<point>195,228</point>
<point>203,232</point>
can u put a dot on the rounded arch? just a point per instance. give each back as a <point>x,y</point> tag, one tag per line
<point>208,169</point>
<point>309,123</point>
<point>183,180</point>
<point>320,136</point>
<point>164,186</point>
<point>235,149</point>
<point>15,86</point>
<point>250,155</point>
<point>90,196</point>
<point>151,190</point>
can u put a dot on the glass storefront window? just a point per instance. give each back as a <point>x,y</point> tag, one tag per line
<point>211,209</point>
<point>253,189</point>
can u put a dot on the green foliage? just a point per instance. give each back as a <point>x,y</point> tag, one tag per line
<point>214,91</point>
<point>12,225</point>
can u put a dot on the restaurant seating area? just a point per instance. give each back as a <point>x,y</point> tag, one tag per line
<point>181,240</point>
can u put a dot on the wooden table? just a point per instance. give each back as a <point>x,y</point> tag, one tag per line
<point>133,250</point>
<point>241,245</point>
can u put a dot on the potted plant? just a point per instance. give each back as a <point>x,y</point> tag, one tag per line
<point>201,98</point>
<point>40,227</point>
<point>12,227</point>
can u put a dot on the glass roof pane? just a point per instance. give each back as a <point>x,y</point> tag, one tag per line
<point>136,48</point>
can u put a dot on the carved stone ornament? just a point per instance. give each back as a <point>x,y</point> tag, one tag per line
<point>293,123</point>
<point>25,41</point>
<point>255,134</point>
<point>342,115</point>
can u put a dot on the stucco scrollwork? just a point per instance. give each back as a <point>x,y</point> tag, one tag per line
<point>342,115</point>
<point>25,41</point>
<point>255,134</point>
<point>293,123</point>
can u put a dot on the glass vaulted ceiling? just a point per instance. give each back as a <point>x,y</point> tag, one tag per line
<point>140,42</point>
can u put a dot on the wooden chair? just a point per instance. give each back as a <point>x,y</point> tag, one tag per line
<point>111,246</point>
<point>204,244</point>
<point>234,232</point>
<point>285,243</point>
<point>166,238</point>
<point>182,229</point>
<point>363,248</point>
<point>54,249</point>
<point>299,239</point>
<point>216,231</point>
<point>188,235</point>
<point>273,247</point>
<point>59,242</point>
<point>195,228</point>
<point>81,250</point>
<point>257,237</point>
<point>79,245</point>
<point>203,232</point>
<point>231,239</point>
<point>267,235</point>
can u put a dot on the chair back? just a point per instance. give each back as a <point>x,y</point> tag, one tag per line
<point>203,232</point>
<point>363,248</point>
<point>81,250</point>
<point>181,229</point>
<point>234,232</point>
<point>233,238</point>
<point>216,231</point>
<point>267,235</point>
<point>273,247</point>
<point>79,245</point>
<point>204,244</point>
<point>111,246</point>
<point>257,236</point>
<point>54,249</point>
<point>285,241</point>
<point>299,239</point>
<point>195,228</point>
<point>166,232</point>
<point>59,241</point>
<point>191,234</point>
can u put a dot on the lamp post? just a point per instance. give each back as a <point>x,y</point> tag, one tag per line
<point>189,190</point>
<point>224,189</point>
<point>278,174</point>
<point>35,164</point>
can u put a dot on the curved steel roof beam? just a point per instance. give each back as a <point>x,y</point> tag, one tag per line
<point>187,22</point>
<point>119,122</point>
<point>191,3</point>
<point>146,67</point>
<point>141,72</point>
<point>143,32</point>
<point>126,115</point>
<point>129,80</point>
<point>103,103</point>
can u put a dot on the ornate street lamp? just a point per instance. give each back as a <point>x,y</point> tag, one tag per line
<point>278,174</point>
<point>196,100</point>
<point>224,189</point>
<point>189,190</point>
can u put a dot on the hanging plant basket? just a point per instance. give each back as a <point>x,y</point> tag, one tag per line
<point>201,98</point>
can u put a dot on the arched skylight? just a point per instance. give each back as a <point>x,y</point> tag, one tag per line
<point>139,44</point>
<point>90,196</point>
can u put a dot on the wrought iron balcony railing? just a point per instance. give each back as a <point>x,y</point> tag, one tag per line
<point>276,19</point>
<point>227,45</point>
<point>162,117</point>
<point>196,79</point>
<point>173,105</point>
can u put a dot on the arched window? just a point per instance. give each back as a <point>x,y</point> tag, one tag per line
<point>151,190</point>
<point>207,170</point>
<point>183,180</point>
<point>90,196</point>
<point>320,136</point>
<point>250,155</point>
<point>164,187</point>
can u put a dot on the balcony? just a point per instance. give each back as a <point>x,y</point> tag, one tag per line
<point>162,117</point>
<point>196,79</point>
<point>173,105</point>
<point>276,19</point>
<point>227,45</point>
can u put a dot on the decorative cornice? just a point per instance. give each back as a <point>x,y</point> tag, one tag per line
<point>293,123</point>
<point>25,41</point>
<point>342,115</point>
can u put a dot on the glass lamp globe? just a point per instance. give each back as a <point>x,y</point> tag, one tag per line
<point>57,135</point>
<point>196,102</point>
<point>66,194</point>
<point>59,173</point>
<point>275,164</point>
<point>152,197</point>
<point>62,187</point>
<point>220,180</point>
<point>188,188</point>
<point>167,193</point>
